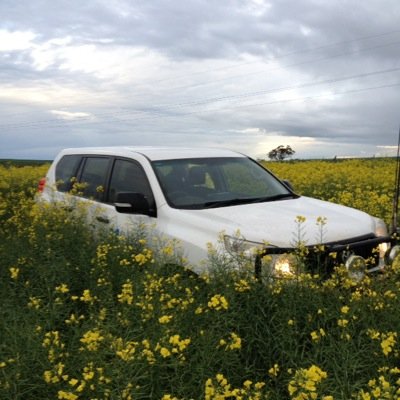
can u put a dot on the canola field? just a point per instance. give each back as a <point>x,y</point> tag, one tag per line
<point>366,184</point>
<point>102,316</point>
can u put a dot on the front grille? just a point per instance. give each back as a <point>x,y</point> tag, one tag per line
<point>363,246</point>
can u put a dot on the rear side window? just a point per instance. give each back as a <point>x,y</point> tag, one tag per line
<point>93,177</point>
<point>66,170</point>
<point>128,176</point>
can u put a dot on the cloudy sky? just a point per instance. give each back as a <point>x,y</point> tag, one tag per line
<point>321,76</point>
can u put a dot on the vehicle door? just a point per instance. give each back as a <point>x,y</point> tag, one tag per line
<point>89,188</point>
<point>128,176</point>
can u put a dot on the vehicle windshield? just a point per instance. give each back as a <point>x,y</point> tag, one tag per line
<point>217,182</point>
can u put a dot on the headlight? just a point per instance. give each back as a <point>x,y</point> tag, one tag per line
<point>380,227</point>
<point>241,247</point>
<point>356,267</point>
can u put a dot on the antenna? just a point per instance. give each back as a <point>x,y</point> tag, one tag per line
<point>396,190</point>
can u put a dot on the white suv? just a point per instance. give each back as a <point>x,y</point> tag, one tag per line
<point>194,194</point>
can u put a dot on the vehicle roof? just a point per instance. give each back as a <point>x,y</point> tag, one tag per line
<point>156,153</point>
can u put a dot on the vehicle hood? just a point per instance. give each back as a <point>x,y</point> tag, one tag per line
<point>275,222</point>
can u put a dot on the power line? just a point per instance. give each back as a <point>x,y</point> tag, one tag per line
<point>300,51</point>
<point>284,88</point>
<point>279,68</point>
<point>215,99</point>
<point>239,106</point>
<point>285,66</point>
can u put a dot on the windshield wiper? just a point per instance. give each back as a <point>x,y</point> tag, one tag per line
<point>248,200</point>
<point>276,197</point>
<point>226,203</point>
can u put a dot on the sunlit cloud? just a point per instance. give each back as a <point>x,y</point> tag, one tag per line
<point>16,40</point>
<point>69,116</point>
<point>387,147</point>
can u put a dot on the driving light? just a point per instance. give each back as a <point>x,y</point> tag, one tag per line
<point>356,267</point>
<point>392,254</point>
<point>285,265</point>
<point>381,230</point>
<point>383,250</point>
<point>282,265</point>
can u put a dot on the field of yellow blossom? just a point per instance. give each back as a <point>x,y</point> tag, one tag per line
<point>102,316</point>
<point>366,184</point>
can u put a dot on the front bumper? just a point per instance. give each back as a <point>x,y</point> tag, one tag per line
<point>371,251</point>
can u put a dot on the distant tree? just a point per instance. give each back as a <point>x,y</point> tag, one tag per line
<point>280,153</point>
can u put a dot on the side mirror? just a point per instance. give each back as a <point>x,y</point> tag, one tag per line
<point>132,203</point>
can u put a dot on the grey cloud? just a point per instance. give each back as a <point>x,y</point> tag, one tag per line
<point>209,51</point>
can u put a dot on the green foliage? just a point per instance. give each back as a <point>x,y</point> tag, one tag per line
<point>103,316</point>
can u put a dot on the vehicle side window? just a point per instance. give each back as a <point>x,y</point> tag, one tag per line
<point>66,170</point>
<point>128,176</point>
<point>93,177</point>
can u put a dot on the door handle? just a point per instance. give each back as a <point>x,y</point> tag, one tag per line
<point>105,220</point>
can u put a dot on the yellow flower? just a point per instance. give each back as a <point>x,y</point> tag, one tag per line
<point>260,385</point>
<point>221,380</point>
<point>87,297</point>
<point>235,342</point>
<point>92,339</point>
<point>315,336</point>
<point>300,219</point>
<point>345,309</point>
<point>242,286</point>
<point>168,250</point>
<point>128,351</point>
<point>165,352</point>
<point>388,342</point>
<point>342,323</point>
<point>175,340</point>
<point>247,384</point>
<point>273,371</point>
<point>74,320</point>
<point>144,257</point>
<point>165,319</point>
<point>373,334</point>
<point>305,382</point>
<point>63,288</point>
<point>102,314</point>
<point>73,382</point>
<point>66,395</point>
<point>126,296</point>
<point>34,302</point>
<point>50,377</point>
<point>14,272</point>
<point>218,302</point>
